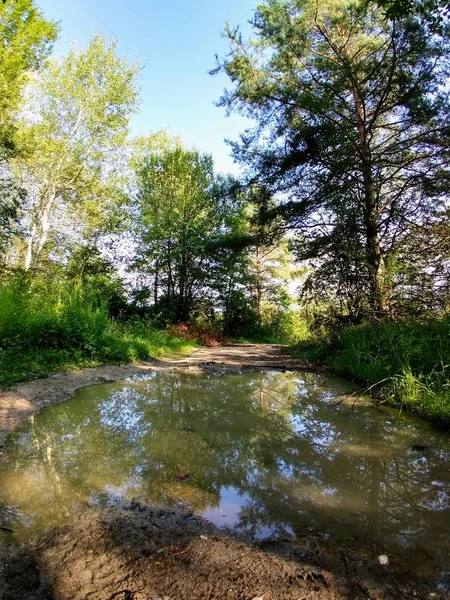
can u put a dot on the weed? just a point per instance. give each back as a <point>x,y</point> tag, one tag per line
<point>51,326</point>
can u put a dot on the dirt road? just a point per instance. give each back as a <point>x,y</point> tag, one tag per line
<point>144,552</point>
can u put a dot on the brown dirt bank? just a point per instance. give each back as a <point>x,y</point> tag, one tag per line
<point>21,401</point>
<point>140,552</point>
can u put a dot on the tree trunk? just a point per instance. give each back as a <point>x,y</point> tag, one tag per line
<point>378,293</point>
<point>379,296</point>
<point>30,254</point>
<point>156,283</point>
<point>39,232</point>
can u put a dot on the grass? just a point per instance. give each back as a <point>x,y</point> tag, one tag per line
<point>48,327</point>
<point>412,360</point>
<point>119,344</point>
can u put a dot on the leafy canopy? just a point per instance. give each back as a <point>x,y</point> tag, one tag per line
<point>26,40</point>
<point>351,130</point>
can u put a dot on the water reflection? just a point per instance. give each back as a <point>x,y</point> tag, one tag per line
<point>266,452</point>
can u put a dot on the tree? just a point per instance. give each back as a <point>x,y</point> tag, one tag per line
<point>252,265</point>
<point>176,216</point>
<point>26,40</point>
<point>11,198</point>
<point>230,277</point>
<point>79,110</point>
<point>352,127</point>
<point>434,13</point>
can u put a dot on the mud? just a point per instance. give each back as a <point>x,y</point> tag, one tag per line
<point>23,400</point>
<point>140,552</point>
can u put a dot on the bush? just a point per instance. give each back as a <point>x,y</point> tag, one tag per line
<point>47,326</point>
<point>413,357</point>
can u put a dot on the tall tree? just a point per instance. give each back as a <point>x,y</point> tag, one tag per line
<point>25,41</point>
<point>230,279</point>
<point>77,120</point>
<point>352,126</point>
<point>176,216</point>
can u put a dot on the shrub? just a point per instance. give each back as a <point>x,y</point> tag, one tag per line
<point>49,325</point>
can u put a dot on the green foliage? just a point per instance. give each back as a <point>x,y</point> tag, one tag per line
<point>434,13</point>
<point>95,273</point>
<point>240,317</point>
<point>11,198</point>
<point>289,325</point>
<point>191,228</point>
<point>349,108</point>
<point>75,124</point>
<point>52,325</point>
<point>409,362</point>
<point>377,351</point>
<point>177,216</point>
<point>26,40</point>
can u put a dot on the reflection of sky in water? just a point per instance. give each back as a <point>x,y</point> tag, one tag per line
<point>231,502</point>
<point>229,515</point>
<point>266,453</point>
<point>139,377</point>
<point>121,410</point>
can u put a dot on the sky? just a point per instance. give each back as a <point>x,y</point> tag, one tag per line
<point>174,42</point>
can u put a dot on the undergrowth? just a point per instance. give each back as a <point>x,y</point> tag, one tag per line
<point>409,362</point>
<point>47,327</point>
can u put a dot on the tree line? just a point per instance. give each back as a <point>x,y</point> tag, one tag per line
<point>345,185</point>
<point>82,199</point>
<point>351,138</point>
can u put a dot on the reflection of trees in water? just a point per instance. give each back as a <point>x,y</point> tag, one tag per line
<point>271,436</point>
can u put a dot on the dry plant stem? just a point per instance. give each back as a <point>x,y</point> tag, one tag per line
<point>362,391</point>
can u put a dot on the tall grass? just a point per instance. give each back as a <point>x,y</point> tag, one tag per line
<point>48,326</point>
<point>412,360</point>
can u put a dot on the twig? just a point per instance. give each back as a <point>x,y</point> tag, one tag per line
<point>182,552</point>
<point>265,391</point>
<point>237,558</point>
<point>363,391</point>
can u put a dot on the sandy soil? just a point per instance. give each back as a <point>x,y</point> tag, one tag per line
<point>21,401</point>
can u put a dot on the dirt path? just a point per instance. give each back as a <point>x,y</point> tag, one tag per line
<point>145,552</point>
<point>139,551</point>
<point>246,355</point>
<point>21,401</point>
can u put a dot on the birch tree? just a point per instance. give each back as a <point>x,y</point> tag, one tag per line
<point>76,120</point>
<point>26,39</point>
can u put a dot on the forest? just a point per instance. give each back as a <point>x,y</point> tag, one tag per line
<point>334,240</point>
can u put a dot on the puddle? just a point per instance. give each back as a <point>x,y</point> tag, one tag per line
<point>269,453</point>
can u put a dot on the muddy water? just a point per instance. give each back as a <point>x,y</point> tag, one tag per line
<point>270,453</point>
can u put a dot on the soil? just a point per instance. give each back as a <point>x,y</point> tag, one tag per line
<point>137,551</point>
<point>141,552</point>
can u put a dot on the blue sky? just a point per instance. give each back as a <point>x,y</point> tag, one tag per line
<point>175,42</point>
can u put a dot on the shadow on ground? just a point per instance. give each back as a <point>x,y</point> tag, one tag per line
<point>141,552</point>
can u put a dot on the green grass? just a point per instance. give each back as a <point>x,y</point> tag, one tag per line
<point>47,327</point>
<point>119,344</point>
<point>412,360</point>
